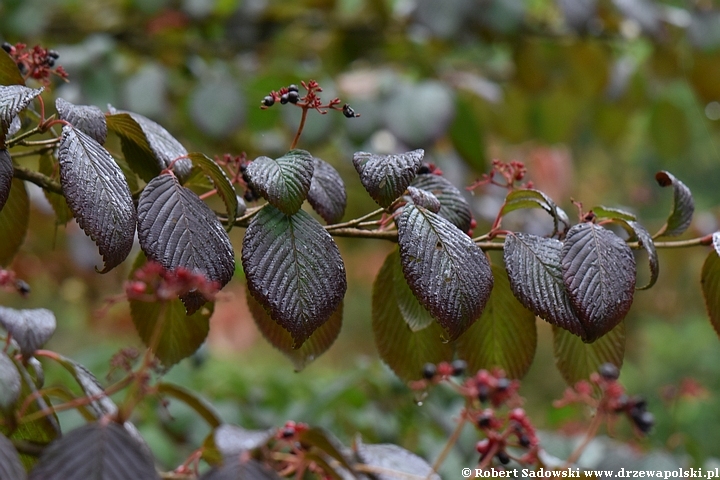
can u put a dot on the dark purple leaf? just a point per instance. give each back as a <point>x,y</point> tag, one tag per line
<point>222,183</point>
<point>176,229</point>
<point>98,195</point>
<point>30,328</point>
<point>645,240</point>
<point>424,199</point>
<point>599,276</point>
<point>86,118</point>
<point>10,384</point>
<point>9,71</point>
<point>710,280</point>
<point>237,468</point>
<point>227,440</point>
<point>147,146</point>
<point>385,177</point>
<point>13,100</point>
<point>453,205</point>
<point>294,269</point>
<point>446,271</point>
<point>683,206</point>
<point>316,345</point>
<point>576,359</point>
<point>327,192</point>
<point>10,466</point>
<point>14,219</point>
<point>535,273</point>
<point>394,462</point>
<point>6,176</point>
<point>504,336</point>
<point>284,182</point>
<point>403,350</point>
<point>96,451</point>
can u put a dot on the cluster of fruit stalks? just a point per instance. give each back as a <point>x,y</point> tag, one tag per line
<point>493,406</point>
<point>311,100</point>
<point>37,62</point>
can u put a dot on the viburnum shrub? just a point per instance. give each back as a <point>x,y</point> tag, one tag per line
<point>439,307</point>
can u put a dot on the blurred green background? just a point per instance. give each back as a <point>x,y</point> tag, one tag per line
<point>594,96</point>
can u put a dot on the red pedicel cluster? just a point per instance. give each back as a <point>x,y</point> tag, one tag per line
<point>36,62</point>
<point>291,430</point>
<point>167,284</point>
<point>511,174</point>
<point>311,100</point>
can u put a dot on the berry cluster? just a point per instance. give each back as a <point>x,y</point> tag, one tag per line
<point>152,283</point>
<point>311,100</point>
<point>37,62</point>
<point>9,282</point>
<point>511,174</point>
<point>515,431</point>
<point>291,430</point>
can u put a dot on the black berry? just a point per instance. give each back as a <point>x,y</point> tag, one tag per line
<point>502,384</point>
<point>268,101</point>
<point>7,47</point>
<point>423,169</point>
<point>483,393</point>
<point>288,432</point>
<point>459,367</point>
<point>292,96</point>
<point>524,441</point>
<point>53,54</point>
<point>22,287</point>
<point>348,111</point>
<point>429,370</point>
<point>50,62</point>
<point>644,421</point>
<point>608,371</point>
<point>284,98</point>
<point>484,419</point>
<point>22,67</point>
<point>293,88</point>
<point>503,457</point>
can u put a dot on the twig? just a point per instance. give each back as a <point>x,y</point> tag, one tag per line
<point>42,181</point>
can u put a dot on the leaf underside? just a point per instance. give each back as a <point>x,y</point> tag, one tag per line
<point>453,205</point>
<point>403,350</point>
<point>14,221</point>
<point>392,458</point>
<point>446,271</point>
<point>13,100</point>
<point>599,276</point>
<point>710,280</point>
<point>327,194</point>
<point>385,177</point>
<point>177,229</point>
<point>98,195</point>
<point>86,118</point>
<point>221,181</point>
<point>683,205</point>
<point>284,182</point>
<point>576,360</point>
<point>30,328</point>
<point>293,268</point>
<point>504,336</point>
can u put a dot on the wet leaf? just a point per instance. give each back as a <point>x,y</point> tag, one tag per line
<point>535,273</point>
<point>10,466</point>
<point>148,148</point>
<point>424,199</point>
<point>294,269</point>
<point>221,181</point>
<point>86,118</point>
<point>49,168</point>
<point>318,343</point>
<point>576,359</point>
<point>646,242</point>
<point>177,229</point>
<point>446,271</point>
<point>415,315</point>
<point>30,328</point>
<point>453,205</point>
<point>98,195</point>
<point>101,403</point>
<point>613,213</point>
<point>682,209</point>
<point>284,182</point>
<point>14,219</point>
<point>230,440</point>
<point>710,280</point>
<point>528,198</point>
<point>13,100</point>
<point>237,468</point>
<point>599,276</point>
<point>393,461</point>
<point>6,176</point>
<point>95,451</point>
<point>504,336</point>
<point>403,350</point>
<point>9,71</point>
<point>9,385</point>
<point>385,177</point>
<point>327,192</point>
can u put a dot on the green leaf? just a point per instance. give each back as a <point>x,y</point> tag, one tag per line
<point>453,205</point>
<point>613,213</point>
<point>49,168</point>
<point>710,280</point>
<point>294,269</point>
<point>385,177</point>
<point>576,359</point>
<point>192,400</point>
<point>682,209</point>
<point>284,182</point>
<point>415,315</point>
<point>14,222</point>
<point>403,350</point>
<point>446,271</point>
<point>10,466</point>
<point>528,198</point>
<point>312,348</point>
<point>504,336</point>
<point>221,182</point>
<point>9,71</point>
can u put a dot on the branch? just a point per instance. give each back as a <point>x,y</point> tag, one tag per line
<point>42,181</point>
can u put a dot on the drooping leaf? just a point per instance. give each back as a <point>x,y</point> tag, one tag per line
<point>453,205</point>
<point>86,118</point>
<point>424,199</point>
<point>239,468</point>
<point>9,384</point>
<point>646,241</point>
<point>229,440</point>
<point>177,229</point>
<point>294,269</point>
<point>710,280</point>
<point>446,271</point>
<point>327,192</point>
<point>10,465</point>
<point>9,71</point>
<point>504,336</point>
<point>318,343</point>
<point>393,461</point>
<point>326,443</point>
<point>14,219</point>
<point>403,350</point>
<point>535,274</point>
<point>613,213</point>
<point>415,315</point>
<point>98,195</point>
<point>6,176</point>
<point>148,148</point>
<point>13,100</point>
<point>528,198</point>
<point>95,451</point>
<point>576,359</point>
<point>221,181</point>
<point>30,328</point>
<point>284,182</point>
<point>101,403</point>
<point>47,167</point>
<point>192,400</point>
<point>683,206</point>
<point>599,276</point>
<point>385,177</point>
